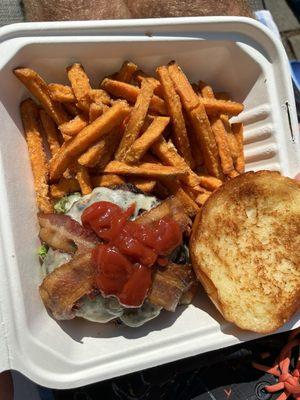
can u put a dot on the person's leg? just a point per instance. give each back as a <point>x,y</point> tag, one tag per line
<point>6,386</point>
<point>60,10</point>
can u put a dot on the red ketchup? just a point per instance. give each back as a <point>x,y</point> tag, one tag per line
<point>124,261</point>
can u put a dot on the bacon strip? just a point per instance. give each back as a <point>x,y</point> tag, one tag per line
<point>64,233</point>
<point>170,284</point>
<point>67,284</point>
<point>171,207</point>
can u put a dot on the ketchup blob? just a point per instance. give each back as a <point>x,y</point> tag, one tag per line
<point>124,261</point>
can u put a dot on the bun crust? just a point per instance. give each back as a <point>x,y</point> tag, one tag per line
<point>245,250</point>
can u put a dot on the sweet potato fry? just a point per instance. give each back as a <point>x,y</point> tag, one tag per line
<point>210,182</point>
<point>83,178</point>
<point>237,129</point>
<point>206,140</point>
<point>144,169</point>
<point>96,110</point>
<point>175,110</point>
<point>61,93</point>
<point>140,75</point>
<point>64,187</point>
<point>189,98</point>
<point>51,133</point>
<point>102,151</point>
<point>136,120</point>
<point>38,87</point>
<point>193,192</point>
<point>29,116</point>
<point>206,90</point>
<point>71,108</point>
<point>233,174</point>
<point>231,139</point>
<point>126,72</point>
<point>167,153</point>
<point>73,127</point>
<point>80,84</point>
<point>144,142</point>
<point>143,184</point>
<point>87,137</point>
<point>130,93</point>
<point>195,147</point>
<point>202,197</point>
<point>219,131</point>
<point>188,203</point>
<point>107,180</point>
<point>99,96</point>
<point>214,106</point>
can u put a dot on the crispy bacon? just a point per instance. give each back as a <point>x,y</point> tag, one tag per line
<point>64,233</point>
<point>171,207</point>
<point>169,284</point>
<point>67,284</point>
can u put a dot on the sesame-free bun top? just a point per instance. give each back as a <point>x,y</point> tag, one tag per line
<point>245,250</point>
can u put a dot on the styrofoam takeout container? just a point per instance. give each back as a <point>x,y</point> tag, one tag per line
<point>237,55</point>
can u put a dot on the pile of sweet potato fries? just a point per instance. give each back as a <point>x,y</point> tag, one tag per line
<point>164,135</point>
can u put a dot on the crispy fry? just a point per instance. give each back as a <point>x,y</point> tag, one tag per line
<point>130,93</point>
<point>38,87</point>
<point>233,174</point>
<point>174,188</point>
<point>237,129</point>
<point>144,169</point>
<point>136,120</point>
<point>140,75</point>
<point>195,147</point>
<point>51,132</point>
<point>99,96</point>
<point>219,131</point>
<point>64,187</point>
<point>71,108</point>
<point>167,153</point>
<point>80,84</point>
<point>73,127</point>
<point>193,192</point>
<point>83,177</point>
<point>214,106</point>
<point>189,98</point>
<point>126,72</point>
<point>206,140</point>
<point>61,93</point>
<point>29,115</point>
<point>144,142</point>
<point>95,111</point>
<point>206,90</point>
<point>210,182</point>
<point>107,180</point>
<point>202,197</point>
<point>87,137</point>
<point>175,110</point>
<point>231,139</point>
<point>143,184</point>
<point>102,151</point>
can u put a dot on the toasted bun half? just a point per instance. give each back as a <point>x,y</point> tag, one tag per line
<point>245,250</point>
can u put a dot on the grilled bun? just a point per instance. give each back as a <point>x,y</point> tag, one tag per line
<point>245,250</point>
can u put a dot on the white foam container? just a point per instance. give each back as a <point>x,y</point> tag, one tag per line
<point>237,55</point>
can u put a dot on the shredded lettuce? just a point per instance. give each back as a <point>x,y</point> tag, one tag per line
<point>64,204</point>
<point>42,251</point>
